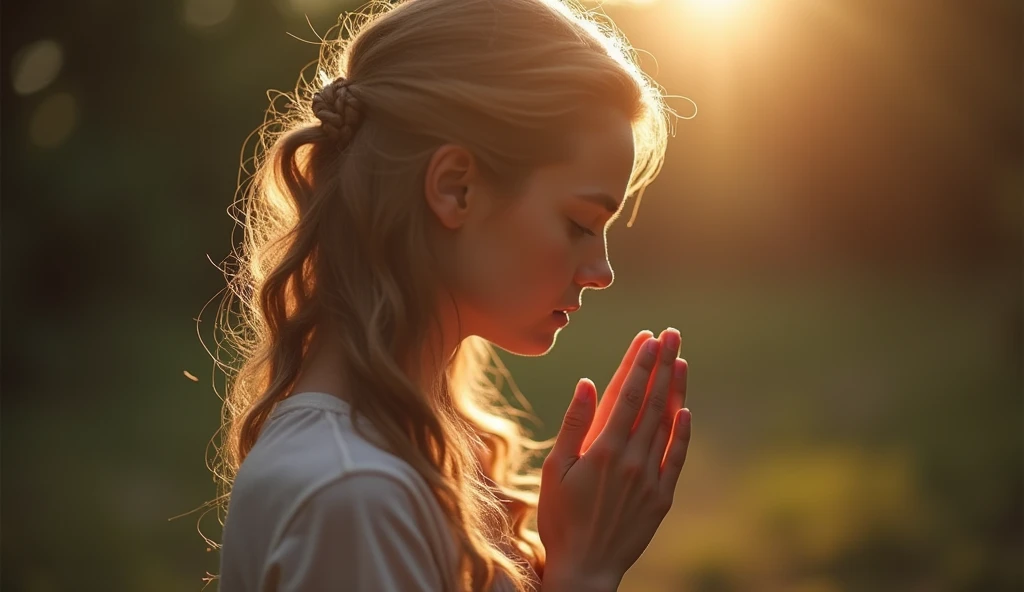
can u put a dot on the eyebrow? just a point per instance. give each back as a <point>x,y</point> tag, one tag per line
<point>601,199</point>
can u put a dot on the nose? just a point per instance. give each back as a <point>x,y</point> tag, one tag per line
<point>597,275</point>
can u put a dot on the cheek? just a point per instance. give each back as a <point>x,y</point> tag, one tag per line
<point>521,264</point>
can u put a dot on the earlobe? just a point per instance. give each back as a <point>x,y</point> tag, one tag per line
<point>446,184</point>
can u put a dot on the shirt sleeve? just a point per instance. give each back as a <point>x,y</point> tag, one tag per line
<point>361,532</point>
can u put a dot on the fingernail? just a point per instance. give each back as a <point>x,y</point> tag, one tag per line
<point>583,390</point>
<point>672,338</point>
<point>680,369</point>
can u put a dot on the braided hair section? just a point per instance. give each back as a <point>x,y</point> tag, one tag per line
<point>338,110</point>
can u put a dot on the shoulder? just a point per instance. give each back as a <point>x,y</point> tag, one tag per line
<point>374,503</point>
<point>379,489</point>
<point>306,450</point>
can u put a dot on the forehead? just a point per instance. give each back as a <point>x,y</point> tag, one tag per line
<point>600,160</point>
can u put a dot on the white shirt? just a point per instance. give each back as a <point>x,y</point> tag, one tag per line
<point>315,506</point>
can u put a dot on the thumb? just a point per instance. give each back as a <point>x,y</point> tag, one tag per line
<point>576,422</point>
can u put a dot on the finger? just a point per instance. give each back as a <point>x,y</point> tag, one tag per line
<point>657,397</point>
<point>680,377</point>
<point>676,393</point>
<point>627,360</point>
<point>604,408</point>
<point>676,399</point>
<point>631,397</point>
<point>676,457</point>
<point>575,424</point>
<point>650,382</point>
<point>658,449</point>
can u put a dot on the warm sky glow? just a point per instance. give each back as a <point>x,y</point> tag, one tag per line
<point>717,8</point>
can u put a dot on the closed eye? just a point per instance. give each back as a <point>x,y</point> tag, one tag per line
<point>578,229</point>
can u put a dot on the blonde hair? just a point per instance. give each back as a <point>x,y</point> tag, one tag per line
<point>334,235</point>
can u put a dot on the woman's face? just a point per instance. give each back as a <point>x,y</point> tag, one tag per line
<point>511,262</point>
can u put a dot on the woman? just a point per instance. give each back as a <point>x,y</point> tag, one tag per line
<point>444,184</point>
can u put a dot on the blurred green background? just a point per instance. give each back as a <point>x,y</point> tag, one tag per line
<point>837,236</point>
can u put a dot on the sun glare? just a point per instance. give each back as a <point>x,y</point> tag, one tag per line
<point>716,8</point>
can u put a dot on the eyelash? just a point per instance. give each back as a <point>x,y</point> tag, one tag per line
<point>580,229</point>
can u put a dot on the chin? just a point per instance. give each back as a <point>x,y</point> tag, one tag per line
<point>534,345</point>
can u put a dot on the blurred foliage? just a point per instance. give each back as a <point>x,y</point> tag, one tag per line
<point>837,235</point>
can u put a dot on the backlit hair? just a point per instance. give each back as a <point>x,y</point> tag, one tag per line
<point>334,233</point>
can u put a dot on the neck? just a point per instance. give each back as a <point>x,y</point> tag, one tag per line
<point>323,369</point>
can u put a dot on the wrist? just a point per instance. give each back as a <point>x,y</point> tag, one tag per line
<point>560,577</point>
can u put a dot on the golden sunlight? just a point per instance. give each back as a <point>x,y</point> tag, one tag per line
<point>717,8</point>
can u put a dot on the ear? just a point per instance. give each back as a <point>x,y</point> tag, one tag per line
<point>451,175</point>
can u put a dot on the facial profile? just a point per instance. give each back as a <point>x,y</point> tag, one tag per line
<point>512,261</point>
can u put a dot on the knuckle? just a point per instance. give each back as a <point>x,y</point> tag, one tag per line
<point>632,469</point>
<point>651,492</point>
<point>665,504</point>
<point>657,402</point>
<point>574,420</point>
<point>600,453</point>
<point>634,396</point>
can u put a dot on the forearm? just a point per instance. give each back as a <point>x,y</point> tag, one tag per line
<point>564,578</point>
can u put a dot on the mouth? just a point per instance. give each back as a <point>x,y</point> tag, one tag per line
<point>561,316</point>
